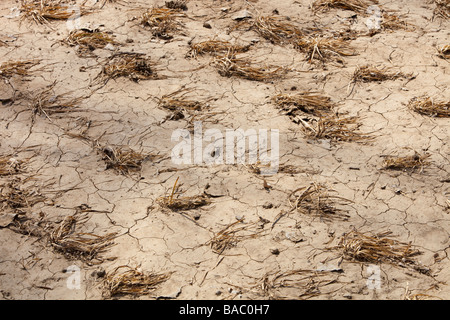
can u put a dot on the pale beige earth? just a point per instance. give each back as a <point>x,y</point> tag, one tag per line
<point>69,172</point>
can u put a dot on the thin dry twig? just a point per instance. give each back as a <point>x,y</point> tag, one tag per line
<point>132,281</point>
<point>430,107</point>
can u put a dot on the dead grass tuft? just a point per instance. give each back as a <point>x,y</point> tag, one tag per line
<point>180,106</point>
<point>43,11</point>
<point>379,248</point>
<point>134,66</point>
<point>87,41</point>
<point>370,73</point>
<point>10,165</point>
<point>306,102</point>
<point>162,22</point>
<point>407,163</point>
<point>215,47</point>
<point>334,128</point>
<point>83,246</point>
<point>442,8</point>
<point>182,203</point>
<point>316,200</point>
<point>18,197</point>
<point>354,5</point>
<point>229,236</point>
<point>429,107</point>
<point>123,159</point>
<point>296,284</point>
<point>229,65</point>
<point>324,48</point>
<point>132,281</point>
<point>177,5</point>
<point>21,68</point>
<point>444,52</point>
<point>275,30</point>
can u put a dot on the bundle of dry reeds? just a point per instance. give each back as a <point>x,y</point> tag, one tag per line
<point>371,73</point>
<point>87,41</point>
<point>182,203</point>
<point>229,65</point>
<point>444,52</point>
<point>122,159</point>
<point>134,66</point>
<point>162,22</point>
<point>406,163</point>
<point>20,68</point>
<point>43,11</point>
<point>334,128</point>
<point>85,246</point>
<point>354,5</point>
<point>132,281</point>
<point>430,107</point>
<point>378,248</point>
<point>317,200</point>
<point>215,47</point>
<point>306,102</point>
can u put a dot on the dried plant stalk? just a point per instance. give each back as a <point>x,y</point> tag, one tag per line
<point>317,200</point>
<point>229,65</point>
<point>87,41</point>
<point>407,163</point>
<point>215,47</point>
<point>20,68</point>
<point>306,102</point>
<point>134,66</point>
<point>182,203</point>
<point>43,11</point>
<point>444,52</point>
<point>85,246</point>
<point>132,281</point>
<point>429,107</point>
<point>354,5</point>
<point>334,128</point>
<point>229,237</point>
<point>370,73</point>
<point>394,22</point>
<point>179,106</point>
<point>14,195</point>
<point>379,248</point>
<point>161,21</point>
<point>123,160</point>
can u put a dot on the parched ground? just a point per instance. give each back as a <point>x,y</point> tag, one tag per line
<point>270,249</point>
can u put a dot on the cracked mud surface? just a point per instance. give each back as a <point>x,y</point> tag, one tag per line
<point>70,173</point>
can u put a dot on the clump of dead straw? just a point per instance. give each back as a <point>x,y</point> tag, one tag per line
<point>229,65</point>
<point>177,4</point>
<point>43,11</point>
<point>406,163</point>
<point>369,73</point>
<point>318,201</point>
<point>182,203</point>
<point>275,30</point>
<point>177,103</point>
<point>19,197</point>
<point>10,165</point>
<point>354,5</point>
<point>215,47</point>
<point>20,68</point>
<point>442,8</point>
<point>324,48</point>
<point>444,52</point>
<point>132,281</point>
<point>334,128</point>
<point>305,102</point>
<point>379,248</point>
<point>84,246</point>
<point>430,107</point>
<point>162,22</point>
<point>134,66</point>
<point>87,41</point>
<point>124,160</point>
